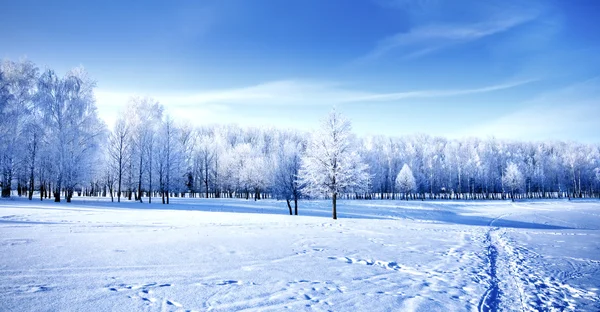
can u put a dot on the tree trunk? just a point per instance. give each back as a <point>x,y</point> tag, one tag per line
<point>289,206</point>
<point>206,176</point>
<point>150,183</point>
<point>334,199</point>
<point>296,205</point>
<point>120,179</point>
<point>139,193</point>
<point>6,187</point>
<point>32,167</point>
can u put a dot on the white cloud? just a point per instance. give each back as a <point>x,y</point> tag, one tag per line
<point>289,93</point>
<point>438,93</point>
<point>426,39</point>
<point>207,106</point>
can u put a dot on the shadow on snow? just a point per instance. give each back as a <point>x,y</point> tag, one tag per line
<point>450,212</point>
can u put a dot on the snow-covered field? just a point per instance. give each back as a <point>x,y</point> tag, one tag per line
<point>92,255</point>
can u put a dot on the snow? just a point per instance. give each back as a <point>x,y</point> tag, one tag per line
<point>196,255</point>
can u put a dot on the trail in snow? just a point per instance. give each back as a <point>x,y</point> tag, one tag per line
<point>515,267</point>
<point>490,299</point>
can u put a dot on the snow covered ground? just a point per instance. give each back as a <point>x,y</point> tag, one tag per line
<point>93,255</point>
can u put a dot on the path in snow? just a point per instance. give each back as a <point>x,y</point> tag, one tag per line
<point>518,268</point>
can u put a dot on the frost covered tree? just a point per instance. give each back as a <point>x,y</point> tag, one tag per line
<point>143,116</point>
<point>109,169</point>
<point>117,149</point>
<point>33,135</point>
<point>187,141</point>
<point>286,184</point>
<point>203,162</point>
<point>332,165</point>
<point>513,179</point>
<point>72,124</point>
<point>405,181</point>
<point>597,172</point>
<point>17,89</point>
<point>241,167</point>
<point>169,159</point>
<point>49,142</point>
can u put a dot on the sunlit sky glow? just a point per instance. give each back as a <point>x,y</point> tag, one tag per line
<point>513,69</point>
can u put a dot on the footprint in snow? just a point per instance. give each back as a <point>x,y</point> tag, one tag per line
<point>144,287</point>
<point>229,282</point>
<point>37,288</point>
<point>175,304</point>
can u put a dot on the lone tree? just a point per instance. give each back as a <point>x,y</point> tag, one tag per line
<point>513,179</point>
<point>331,164</point>
<point>405,181</point>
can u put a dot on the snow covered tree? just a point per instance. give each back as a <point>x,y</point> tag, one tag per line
<point>143,116</point>
<point>17,88</point>
<point>33,135</point>
<point>117,149</point>
<point>405,181</point>
<point>597,174</point>
<point>513,179</point>
<point>110,169</point>
<point>241,167</point>
<point>332,165</point>
<point>286,184</point>
<point>73,126</point>
<point>169,158</point>
<point>203,162</point>
<point>50,134</point>
<point>187,141</point>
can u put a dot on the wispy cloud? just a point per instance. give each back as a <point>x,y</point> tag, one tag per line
<point>439,93</point>
<point>425,39</point>
<point>289,92</point>
<point>276,93</point>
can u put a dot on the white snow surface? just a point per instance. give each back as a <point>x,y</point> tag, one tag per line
<point>232,255</point>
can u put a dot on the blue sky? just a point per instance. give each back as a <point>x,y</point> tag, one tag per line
<point>513,69</point>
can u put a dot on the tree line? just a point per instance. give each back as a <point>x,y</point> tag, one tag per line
<point>54,145</point>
